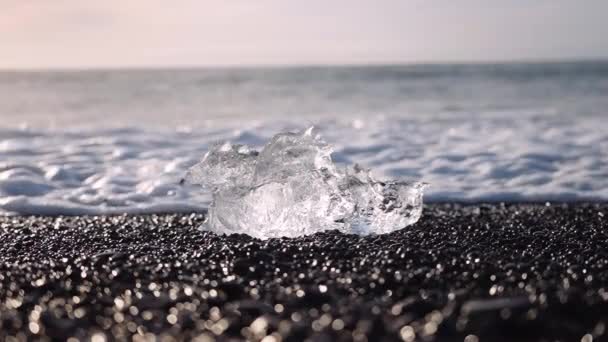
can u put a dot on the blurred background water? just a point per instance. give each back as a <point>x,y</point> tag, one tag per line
<point>171,97</point>
<point>101,141</point>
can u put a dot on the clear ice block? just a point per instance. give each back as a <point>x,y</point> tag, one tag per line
<point>292,188</point>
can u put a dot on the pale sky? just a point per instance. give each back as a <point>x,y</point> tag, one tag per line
<point>120,33</point>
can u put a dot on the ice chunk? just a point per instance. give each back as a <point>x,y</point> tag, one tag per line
<point>292,188</point>
<point>225,165</point>
<point>289,155</point>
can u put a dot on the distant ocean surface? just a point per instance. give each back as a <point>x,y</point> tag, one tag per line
<point>119,141</point>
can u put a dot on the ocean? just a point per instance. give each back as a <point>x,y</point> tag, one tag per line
<point>119,141</point>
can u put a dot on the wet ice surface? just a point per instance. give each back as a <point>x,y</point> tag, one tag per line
<point>489,158</point>
<point>291,187</point>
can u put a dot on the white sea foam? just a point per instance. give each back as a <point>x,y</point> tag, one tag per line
<point>504,132</point>
<point>492,158</point>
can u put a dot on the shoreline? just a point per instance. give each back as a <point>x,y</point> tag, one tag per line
<point>432,204</point>
<point>496,272</point>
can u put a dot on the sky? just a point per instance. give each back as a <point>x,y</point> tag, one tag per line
<point>147,33</point>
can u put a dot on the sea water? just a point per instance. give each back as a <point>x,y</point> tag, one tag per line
<point>119,141</point>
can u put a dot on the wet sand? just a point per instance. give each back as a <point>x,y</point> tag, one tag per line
<point>523,272</point>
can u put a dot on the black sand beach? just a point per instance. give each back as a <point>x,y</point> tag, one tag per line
<point>473,273</point>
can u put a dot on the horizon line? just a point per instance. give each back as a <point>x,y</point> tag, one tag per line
<point>296,65</point>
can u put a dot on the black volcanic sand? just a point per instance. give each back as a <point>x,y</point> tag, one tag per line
<point>472,273</point>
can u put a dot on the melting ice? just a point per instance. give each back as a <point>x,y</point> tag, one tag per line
<point>291,188</point>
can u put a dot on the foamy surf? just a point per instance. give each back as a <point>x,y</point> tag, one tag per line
<point>108,171</point>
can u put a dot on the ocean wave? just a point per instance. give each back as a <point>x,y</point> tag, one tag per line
<point>137,170</point>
